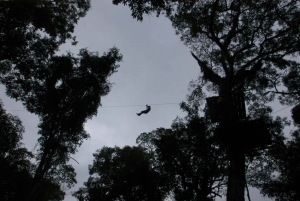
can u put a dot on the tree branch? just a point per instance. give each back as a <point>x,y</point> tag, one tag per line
<point>280,92</point>
<point>283,93</point>
<point>242,73</point>
<point>235,24</point>
<point>217,40</point>
<point>248,194</point>
<point>73,159</point>
<point>246,47</point>
<point>207,72</point>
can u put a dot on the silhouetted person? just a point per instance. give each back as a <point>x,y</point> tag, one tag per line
<point>144,111</point>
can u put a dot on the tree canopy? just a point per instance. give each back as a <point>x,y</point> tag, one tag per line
<point>11,132</point>
<point>36,28</point>
<point>237,44</point>
<point>16,166</point>
<point>64,92</point>
<point>184,162</point>
<point>190,156</point>
<point>241,47</point>
<point>275,172</point>
<point>122,174</point>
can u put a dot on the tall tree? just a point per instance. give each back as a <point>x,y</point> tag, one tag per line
<point>181,163</point>
<point>65,91</point>
<point>16,169</point>
<point>122,174</point>
<point>190,156</point>
<point>239,46</point>
<point>276,170</point>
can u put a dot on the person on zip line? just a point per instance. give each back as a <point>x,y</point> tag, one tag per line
<point>145,111</point>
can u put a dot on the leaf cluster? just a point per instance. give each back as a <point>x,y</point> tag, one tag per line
<point>26,24</point>
<point>16,169</point>
<point>276,171</point>
<point>122,174</point>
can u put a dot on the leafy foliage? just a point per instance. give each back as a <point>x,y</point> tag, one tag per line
<point>64,94</point>
<point>11,132</point>
<point>64,91</point>
<point>122,174</point>
<point>190,156</point>
<point>242,46</point>
<point>276,171</point>
<point>181,163</point>
<point>36,28</point>
<point>238,45</point>
<point>16,168</point>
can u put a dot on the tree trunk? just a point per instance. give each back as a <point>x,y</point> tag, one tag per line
<point>42,168</point>
<point>236,179</point>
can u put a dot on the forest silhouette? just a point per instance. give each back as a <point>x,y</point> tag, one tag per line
<point>226,142</point>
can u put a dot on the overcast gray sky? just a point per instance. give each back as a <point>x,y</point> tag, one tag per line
<point>156,69</point>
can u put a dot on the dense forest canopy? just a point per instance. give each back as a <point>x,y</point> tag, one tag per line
<point>246,48</point>
<point>247,43</point>
<point>241,47</point>
<point>35,28</point>
<point>63,91</point>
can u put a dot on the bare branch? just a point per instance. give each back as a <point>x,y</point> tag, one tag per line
<point>74,159</point>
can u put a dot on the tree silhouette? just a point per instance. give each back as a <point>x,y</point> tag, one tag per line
<point>181,163</point>
<point>276,170</point>
<point>189,155</point>
<point>239,47</point>
<point>35,29</point>
<point>64,93</point>
<point>122,174</point>
<point>16,169</point>
<point>264,166</point>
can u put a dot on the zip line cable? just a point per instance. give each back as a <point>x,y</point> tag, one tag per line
<point>140,105</point>
<point>122,105</point>
<point>153,104</point>
<point>280,109</point>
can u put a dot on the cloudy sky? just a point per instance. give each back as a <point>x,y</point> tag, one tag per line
<point>156,70</point>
